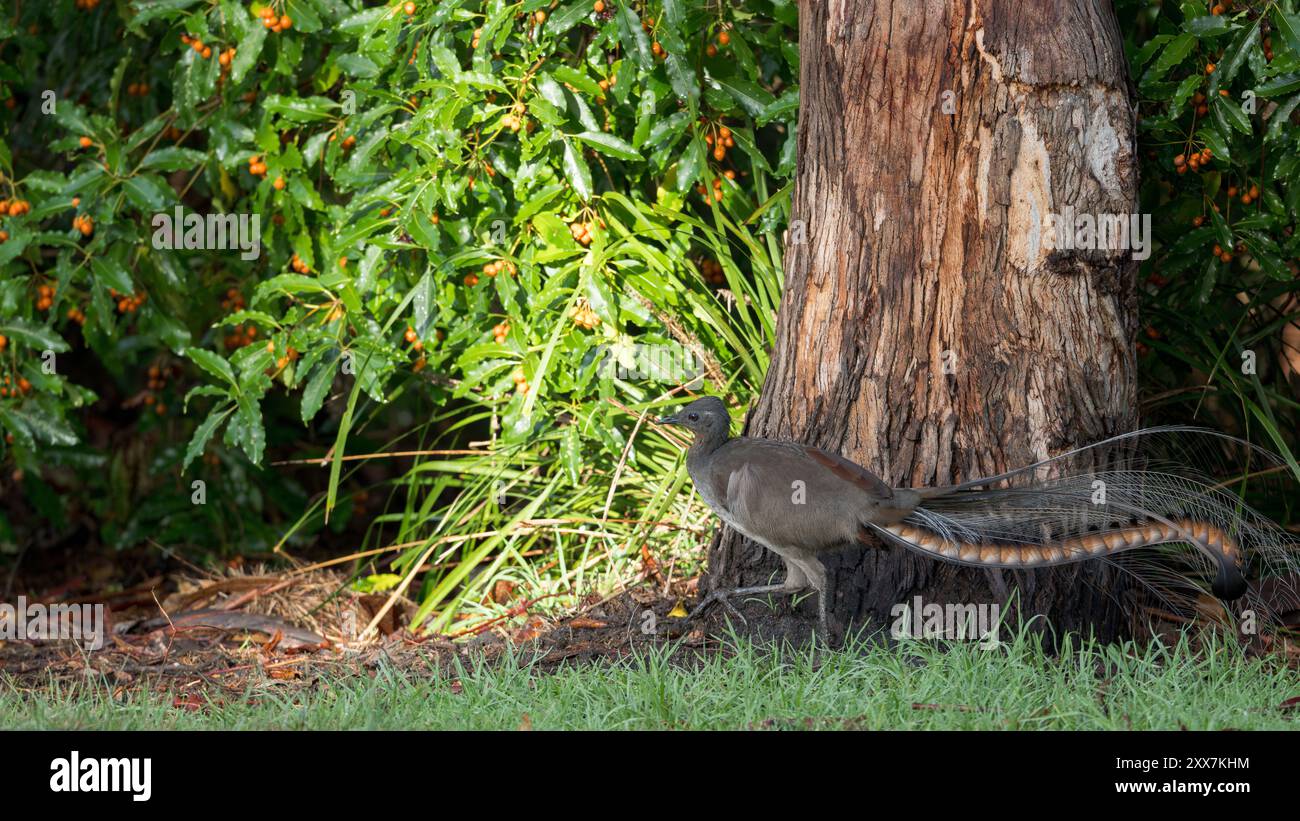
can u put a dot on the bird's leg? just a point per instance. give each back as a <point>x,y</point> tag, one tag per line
<point>823,622</point>
<point>815,573</point>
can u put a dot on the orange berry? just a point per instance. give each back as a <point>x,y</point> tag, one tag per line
<point>86,142</point>
<point>540,17</point>
<point>279,183</point>
<point>409,8</point>
<point>285,22</point>
<point>723,38</point>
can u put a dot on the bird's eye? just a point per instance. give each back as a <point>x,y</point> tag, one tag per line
<point>694,417</point>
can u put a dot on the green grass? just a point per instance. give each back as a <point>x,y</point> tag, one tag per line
<point>1017,686</point>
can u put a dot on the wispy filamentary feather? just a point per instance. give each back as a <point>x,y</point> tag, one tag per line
<point>1158,486</point>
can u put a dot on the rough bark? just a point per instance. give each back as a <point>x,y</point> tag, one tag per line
<point>916,248</point>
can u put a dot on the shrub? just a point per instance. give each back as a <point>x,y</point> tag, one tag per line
<point>467,210</point>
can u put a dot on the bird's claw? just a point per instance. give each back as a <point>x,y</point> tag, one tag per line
<point>713,598</point>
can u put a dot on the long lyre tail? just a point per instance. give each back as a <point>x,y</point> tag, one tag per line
<point>1150,487</point>
<point>1230,583</point>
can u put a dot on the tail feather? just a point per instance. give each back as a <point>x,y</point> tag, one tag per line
<point>1229,583</point>
<point>1151,487</point>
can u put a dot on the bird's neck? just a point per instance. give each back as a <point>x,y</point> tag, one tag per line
<point>706,442</point>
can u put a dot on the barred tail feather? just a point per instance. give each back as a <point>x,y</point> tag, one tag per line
<point>1229,583</point>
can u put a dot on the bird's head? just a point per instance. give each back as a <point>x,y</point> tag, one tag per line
<point>706,417</point>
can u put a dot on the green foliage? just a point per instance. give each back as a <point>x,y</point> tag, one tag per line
<point>465,213</point>
<point>1218,90</point>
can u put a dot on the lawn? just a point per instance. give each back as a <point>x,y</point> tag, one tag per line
<point>1203,686</point>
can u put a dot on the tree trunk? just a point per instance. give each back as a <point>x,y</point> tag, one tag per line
<point>927,331</point>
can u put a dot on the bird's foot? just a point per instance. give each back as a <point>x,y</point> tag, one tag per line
<point>723,596</point>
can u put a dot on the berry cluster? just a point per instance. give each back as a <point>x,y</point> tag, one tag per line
<point>348,141</point>
<point>256,167</point>
<point>242,335</point>
<point>84,224</point>
<point>413,339</point>
<point>1194,162</point>
<point>720,142</point>
<point>493,268</point>
<point>22,388</point>
<point>276,23</point>
<point>128,303</point>
<point>157,382</point>
<point>298,265</point>
<point>234,300</point>
<point>44,297</point>
<point>500,331</point>
<point>1248,196</point>
<point>16,208</point>
<point>583,316</point>
<point>521,381</point>
<point>290,355</point>
<point>724,39</point>
<point>137,89</point>
<point>582,231</point>
<point>712,271</point>
<point>717,186</point>
<point>195,43</point>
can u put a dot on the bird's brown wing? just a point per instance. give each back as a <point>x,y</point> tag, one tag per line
<point>849,472</point>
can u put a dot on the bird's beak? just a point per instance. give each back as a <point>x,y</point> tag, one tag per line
<point>667,420</point>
